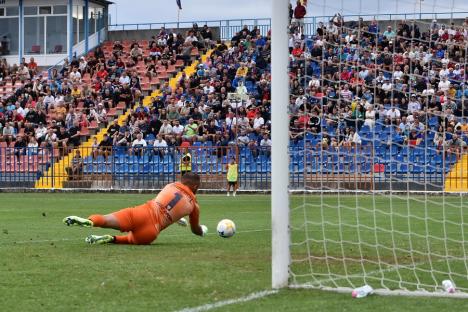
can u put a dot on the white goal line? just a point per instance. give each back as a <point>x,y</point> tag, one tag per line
<point>219,304</point>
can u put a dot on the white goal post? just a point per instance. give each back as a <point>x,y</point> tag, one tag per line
<point>280,139</point>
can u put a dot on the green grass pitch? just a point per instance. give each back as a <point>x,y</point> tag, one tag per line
<point>46,266</point>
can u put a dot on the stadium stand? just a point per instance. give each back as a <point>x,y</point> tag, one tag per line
<point>364,100</point>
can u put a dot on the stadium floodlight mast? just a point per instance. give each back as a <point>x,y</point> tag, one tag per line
<point>280,140</point>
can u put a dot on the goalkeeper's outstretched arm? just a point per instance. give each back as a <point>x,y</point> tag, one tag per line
<point>196,228</point>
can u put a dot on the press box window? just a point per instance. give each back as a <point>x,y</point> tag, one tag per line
<point>43,10</point>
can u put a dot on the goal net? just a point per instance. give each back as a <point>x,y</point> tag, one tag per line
<point>377,147</point>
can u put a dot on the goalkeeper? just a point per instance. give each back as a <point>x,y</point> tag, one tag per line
<point>143,223</point>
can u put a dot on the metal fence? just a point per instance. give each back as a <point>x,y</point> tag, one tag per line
<point>229,27</point>
<point>312,166</point>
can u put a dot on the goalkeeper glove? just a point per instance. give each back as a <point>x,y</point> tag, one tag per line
<point>204,229</point>
<point>182,222</point>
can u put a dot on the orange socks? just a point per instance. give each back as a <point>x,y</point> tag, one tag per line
<point>122,239</point>
<point>98,220</point>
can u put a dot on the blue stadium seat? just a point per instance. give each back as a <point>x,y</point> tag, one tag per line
<point>391,168</point>
<point>150,137</point>
<point>365,168</point>
<point>403,168</point>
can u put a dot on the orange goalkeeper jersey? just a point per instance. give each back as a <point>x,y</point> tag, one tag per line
<point>176,201</point>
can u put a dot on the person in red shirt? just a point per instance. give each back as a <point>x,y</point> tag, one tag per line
<point>144,223</point>
<point>102,73</point>
<point>297,51</point>
<point>32,66</point>
<point>299,14</point>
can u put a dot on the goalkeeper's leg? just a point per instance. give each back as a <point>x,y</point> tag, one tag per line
<point>140,223</point>
<point>104,221</point>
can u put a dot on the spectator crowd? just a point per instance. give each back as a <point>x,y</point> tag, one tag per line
<point>349,82</point>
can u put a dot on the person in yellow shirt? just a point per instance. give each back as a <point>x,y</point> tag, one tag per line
<point>464,127</point>
<point>76,92</point>
<point>242,71</point>
<point>185,165</point>
<point>232,173</point>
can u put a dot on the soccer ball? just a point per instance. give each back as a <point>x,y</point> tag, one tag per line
<point>226,228</point>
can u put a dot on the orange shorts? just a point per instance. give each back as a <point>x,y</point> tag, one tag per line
<point>142,223</point>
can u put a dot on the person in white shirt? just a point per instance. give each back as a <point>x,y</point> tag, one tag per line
<point>50,139</point>
<point>40,132</point>
<point>265,146</point>
<point>387,85</point>
<point>32,146</point>
<point>429,91</point>
<point>444,84</point>
<point>243,139</point>
<point>442,30</point>
<point>300,100</point>
<point>314,82</point>
<point>380,78</point>
<point>208,88</point>
<point>20,110</point>
<point>139,145</point>
<point>427,57</point>
<point>181,102</point>
<point>124,79</point>
<point>160,146</point>
<point>100,114</point>
<point>370,117</point>
<point>75,76</point>
<point>241,89</point>
<point>166,130</point>
<point>413,104</point>
<point>83,64</point>
<point>349,37</point>
<point>231,120</point>
<point>258,122</point>
<point>191,38</point>
<point>393,113</point>
<point>457,71</point>
<point>49,100</point>
<point>356,138</point>
<point>411,118</point>
<point>445,61</point>
<point>404,126</point>
<point>177,129</point>
<point>397,74</point>
<point>444,71</point>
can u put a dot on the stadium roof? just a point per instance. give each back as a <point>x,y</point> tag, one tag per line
<point>102,2</point>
